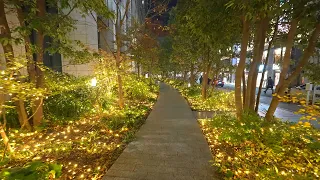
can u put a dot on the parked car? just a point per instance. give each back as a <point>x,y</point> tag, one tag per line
<point>220,83</point>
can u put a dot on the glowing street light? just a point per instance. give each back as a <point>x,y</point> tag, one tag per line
<point>94,82</point>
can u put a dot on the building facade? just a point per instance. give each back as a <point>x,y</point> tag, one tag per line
<point>86,31</point>
<point>273,67</point>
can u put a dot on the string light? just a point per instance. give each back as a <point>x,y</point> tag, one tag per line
<point>48,145</point>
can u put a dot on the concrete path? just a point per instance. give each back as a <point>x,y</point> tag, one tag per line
<point>170,146</point>
<point>286,115</point>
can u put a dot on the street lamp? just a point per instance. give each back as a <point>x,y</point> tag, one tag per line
<point>94,82</point>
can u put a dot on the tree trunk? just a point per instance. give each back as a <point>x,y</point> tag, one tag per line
<point>37,104</point>
<point>204,84</point>
<point>5,32</point>
<point>192,75</point>
<point>118,63</point>
<point>266,64</point>
<point>304,60</point>
<point>23,117</point>
<point>5,139</point>
<point>27,41</point>
<point>265,25</point>
<point>244,88</point>
<point>281,54</point>
<point>206,71</point>
<point>2,131</point>
<point>285,66</point>
<point>287,55</point>
<point>22,114</point>
<point>254,66</point>
<point>138,67</point>
<point>241,66</point>
<point>119,78</point>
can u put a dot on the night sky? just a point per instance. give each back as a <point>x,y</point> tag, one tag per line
<point>165,17</point>
<point>172,3</point>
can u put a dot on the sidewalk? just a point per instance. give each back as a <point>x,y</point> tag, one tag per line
<point>285,115</point>
<point>284,111</point>
<point>170,146</point>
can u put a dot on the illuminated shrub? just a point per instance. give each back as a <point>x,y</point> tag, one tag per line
<point>68,105</point>
<point>33,170</point>
<point>139,89</point>
<point>256,149</point>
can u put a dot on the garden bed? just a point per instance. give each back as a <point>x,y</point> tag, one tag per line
<point>84,133</point>
<point>254,148</point>
<point>83,149</point>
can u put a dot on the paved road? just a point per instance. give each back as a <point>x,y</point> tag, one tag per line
<point>267,97</point>
<point>169,146</point>
<point>285,111</point>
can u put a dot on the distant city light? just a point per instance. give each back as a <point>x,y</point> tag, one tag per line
<point>261,68</point>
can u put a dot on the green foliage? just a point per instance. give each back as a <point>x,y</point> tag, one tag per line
<point>35,170</point>
<point>312,72</point>
<point>15,84</point>
<point>68,105</point>
<point>144,48</point>
<point>96,137</point>
<point>253,148</point>
<point>166,63</point>
<point>70,97</point>
<point>130,117</point>
<point>139,89</point>
<point>200,38</point>
<point>256,149</point>
<point>140,92</point>
<point>218,99</point>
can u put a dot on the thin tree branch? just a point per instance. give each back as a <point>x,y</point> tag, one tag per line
<point>125,12</point>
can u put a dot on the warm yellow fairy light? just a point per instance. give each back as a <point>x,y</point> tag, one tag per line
<point>37,158</point>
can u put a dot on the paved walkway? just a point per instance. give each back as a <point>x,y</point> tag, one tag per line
<point>170,146</point>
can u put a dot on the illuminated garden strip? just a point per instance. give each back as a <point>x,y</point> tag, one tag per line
<point>87,137</point>
<point>253,150</point>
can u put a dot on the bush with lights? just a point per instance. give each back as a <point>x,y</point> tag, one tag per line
<point>254,148</point>
<point>85,130</point>
<point>217,100</point>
